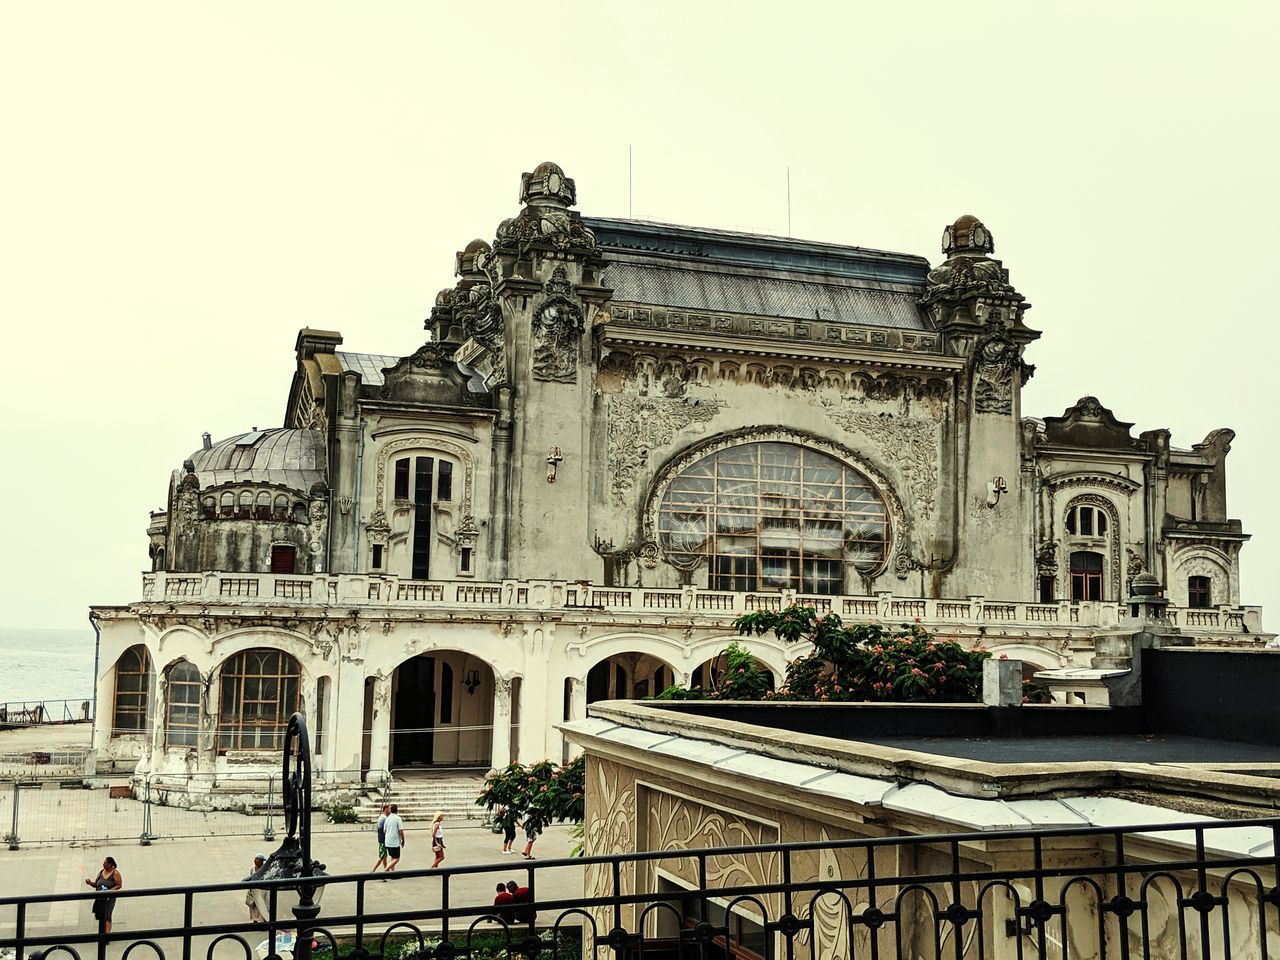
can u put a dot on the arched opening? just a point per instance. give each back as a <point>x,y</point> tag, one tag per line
<point>182,712</point>
<point>133,691</point>
<point>629,676</point>
<point>258,693</point>
<point>708,675</point>
<point>442,711</point>
<point>1086,575</point>
<point>773,516</point>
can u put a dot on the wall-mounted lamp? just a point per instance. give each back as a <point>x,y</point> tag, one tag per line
<point>472,681</point>
<point>996,487</point>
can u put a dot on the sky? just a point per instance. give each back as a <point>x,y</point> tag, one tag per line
<point>183,186</point>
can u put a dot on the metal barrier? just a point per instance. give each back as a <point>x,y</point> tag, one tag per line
<point>32,712</point>
<point>1203,890</point>
<point>171,807</point>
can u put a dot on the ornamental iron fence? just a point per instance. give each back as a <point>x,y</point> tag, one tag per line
<point>1189,890</point>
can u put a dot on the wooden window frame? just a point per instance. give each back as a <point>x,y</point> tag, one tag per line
<point>130,702</point>
<point>184,732</point>
<point>272,693</point>
<point>1200,592</point>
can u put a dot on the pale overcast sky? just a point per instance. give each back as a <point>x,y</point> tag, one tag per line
<point>186,185</point>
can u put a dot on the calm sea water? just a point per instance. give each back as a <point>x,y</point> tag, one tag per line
<point>46,664</point>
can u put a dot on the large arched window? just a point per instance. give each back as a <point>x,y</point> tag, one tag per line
<point>182,713</point>
<point>259,692</point>
<point>133,688</point>
<point>773,516</point>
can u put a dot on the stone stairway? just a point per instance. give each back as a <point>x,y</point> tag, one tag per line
<point>419,795</point>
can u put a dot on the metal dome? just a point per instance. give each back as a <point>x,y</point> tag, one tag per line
<point>282,456</point>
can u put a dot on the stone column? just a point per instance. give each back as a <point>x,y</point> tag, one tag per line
<point>577,711</point>
<point>500,742</point>
<point>380,734</point>
<point>344,736</point>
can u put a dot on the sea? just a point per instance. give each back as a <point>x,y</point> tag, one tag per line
<point>46,664</point>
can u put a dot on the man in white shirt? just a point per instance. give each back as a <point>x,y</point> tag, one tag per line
<point>393,829</point>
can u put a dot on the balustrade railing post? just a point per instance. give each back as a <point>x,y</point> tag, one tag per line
<point>13,827</point>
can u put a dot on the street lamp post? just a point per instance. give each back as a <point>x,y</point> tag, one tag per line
<point>293,859</point>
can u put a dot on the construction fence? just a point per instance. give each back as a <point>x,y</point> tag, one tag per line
<point>52,810</point>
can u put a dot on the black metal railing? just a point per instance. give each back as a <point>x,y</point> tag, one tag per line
<point>1190,890</point>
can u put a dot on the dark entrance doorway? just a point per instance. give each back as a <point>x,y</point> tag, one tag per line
<point>413,732</point>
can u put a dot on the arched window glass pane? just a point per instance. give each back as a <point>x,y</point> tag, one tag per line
<point>773,516</point>
<point>259,691</point>
<point>133,684</point>
<point>282,507</point>
<point>182,717</point>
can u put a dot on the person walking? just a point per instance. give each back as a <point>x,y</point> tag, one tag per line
<point>108,878</point>
<point>508,821</point>
<point>531,832</point>
<point>437,838</point>
<point>393,831</point>
<point>382,838</point>
<point>253,898</point>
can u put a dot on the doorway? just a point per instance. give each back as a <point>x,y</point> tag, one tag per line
<point>413,710</point>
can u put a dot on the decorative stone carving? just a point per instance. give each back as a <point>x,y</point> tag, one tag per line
<point>904,563</point>
<point>319,509</point>
<point>638,425</point>
<point>1135,562</point>
<point>1089,424</point>
<point>995,362</point>
<point>377,526</point>
<point>910,443</point>
<point>545,221</point>
<point>1047,558</point>
<point>480,314</point>
<point>188,507</point>
<point>969,270</point>
<point>429,375</point>
<point>466,532</point>
<point>648,554</point>
<point>557,333</point>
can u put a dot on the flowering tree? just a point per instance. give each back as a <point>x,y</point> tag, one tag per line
<point>868,661</point>
<point>538,794</point>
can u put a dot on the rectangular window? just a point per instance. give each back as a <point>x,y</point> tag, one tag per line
<point>444,485</point>
<point>1046,589</point>
<point>1199,593</point>
<point>466,559</point>
<point>1086,523</point>
<point>424,468</point>
<point>283,558</point>
<point>402,479</point>
<point>1086,575</point>
<point>377,556</point>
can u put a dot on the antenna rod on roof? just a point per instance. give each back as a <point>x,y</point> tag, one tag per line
<point>788,201</point>
<point>630,211</point>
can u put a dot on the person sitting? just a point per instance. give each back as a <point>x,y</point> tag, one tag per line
<point>503,902</point>
<point>521,895</point>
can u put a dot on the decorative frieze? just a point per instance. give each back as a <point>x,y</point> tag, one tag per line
<point>909,443</point>
<point>814,331</point>
<point>637,425</point>
<point>557,333</point>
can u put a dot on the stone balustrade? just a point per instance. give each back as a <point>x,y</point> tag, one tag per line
<point>366,590</point>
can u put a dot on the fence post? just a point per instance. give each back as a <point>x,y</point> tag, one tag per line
<point>145,839</point>
<point>13,830</point>
<point>268,833</point>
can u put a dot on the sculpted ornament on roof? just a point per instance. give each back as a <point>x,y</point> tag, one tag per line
<point>557,332</point>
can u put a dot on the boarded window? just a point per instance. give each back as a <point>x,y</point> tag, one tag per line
<point>283,558</point>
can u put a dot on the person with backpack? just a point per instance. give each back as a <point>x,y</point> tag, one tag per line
<point>382,838</point>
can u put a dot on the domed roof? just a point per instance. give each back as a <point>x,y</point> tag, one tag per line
<point>283,456</point>
<point>967,235</point>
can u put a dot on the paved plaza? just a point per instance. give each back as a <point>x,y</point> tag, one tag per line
<point>49,869</point>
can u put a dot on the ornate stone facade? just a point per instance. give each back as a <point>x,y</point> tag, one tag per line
<point>838,422</point>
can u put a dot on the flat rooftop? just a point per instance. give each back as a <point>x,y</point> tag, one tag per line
<point>1118,747</point>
